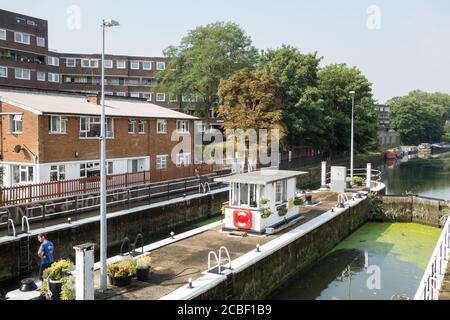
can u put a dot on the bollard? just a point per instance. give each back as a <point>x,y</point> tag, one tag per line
<point>324,176</point>
<point>84,274</point>
<point>369,177</point>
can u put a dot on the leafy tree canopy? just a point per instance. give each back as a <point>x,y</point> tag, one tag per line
<point>204,57</point>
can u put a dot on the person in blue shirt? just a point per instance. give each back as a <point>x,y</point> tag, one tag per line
<point>45,253</point>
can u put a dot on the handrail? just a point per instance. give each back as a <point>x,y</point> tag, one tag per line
<point>125,240</point>
<point>228,256</point>
<point>11,222</point>
<point>25,220</point>
<point>139,236</point>
<point>212,253</point>
<point>434,274</point>
<point>342,199</point>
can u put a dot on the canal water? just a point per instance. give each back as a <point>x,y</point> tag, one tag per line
<point>380,260</point>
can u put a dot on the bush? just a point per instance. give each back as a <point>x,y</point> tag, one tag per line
<point>68,289</point>
<point>144,263</point>
<point>124,268</point>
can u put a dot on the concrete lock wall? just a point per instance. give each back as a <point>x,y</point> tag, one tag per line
<point>266,276</point>
<point>431,212</point>
<point>150,223</point>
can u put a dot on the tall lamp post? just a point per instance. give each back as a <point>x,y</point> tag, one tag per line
<point>352,93</point>
<point>106,23</point>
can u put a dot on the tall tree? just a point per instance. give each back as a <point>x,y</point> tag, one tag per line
<point>296,75</point>
<point>204,57</point>
<point>420,117</point>
<point>334,84</point>
<point>250,100</point>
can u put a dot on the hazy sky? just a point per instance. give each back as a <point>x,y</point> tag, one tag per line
<point>407,48</point>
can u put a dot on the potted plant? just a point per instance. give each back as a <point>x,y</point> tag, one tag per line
<point>358,181</point>
<point>299,202</point>
<point>54,278</point>
<point>266,213</point>
<point>143,265</point>
<point>282,211</point>
<point>120,273</point>
<point>264,202</point>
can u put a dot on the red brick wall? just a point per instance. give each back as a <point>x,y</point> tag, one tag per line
<point>29,137</point>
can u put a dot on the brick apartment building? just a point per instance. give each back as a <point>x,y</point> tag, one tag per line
<point>27,62</point>
<point>51,137</point>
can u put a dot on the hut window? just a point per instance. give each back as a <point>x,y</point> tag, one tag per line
<point>244,194</point>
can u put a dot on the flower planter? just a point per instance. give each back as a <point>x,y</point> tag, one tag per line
<point>142,274</point>
<point>120,281</point>
<point>54,288</point>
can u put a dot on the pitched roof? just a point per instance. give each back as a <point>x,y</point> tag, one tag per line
<point>50,103</point>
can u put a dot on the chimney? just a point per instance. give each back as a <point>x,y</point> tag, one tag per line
<point>93,98</point>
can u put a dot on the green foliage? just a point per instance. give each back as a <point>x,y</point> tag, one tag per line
<point>143,263</point>
<point>334,84</point>
<point>264,201</point>
<point>282,211</point>
<point>250,100</point>
<point>68,289</point>
<point>204,57</point>
<point>296,75</point>
<point>124,268</point>
<point>299,202</point>
<point>58,271</point>
<point>358,180</point>
<point>375,203</point>
<point>266,213</point>
<point>420,117</point>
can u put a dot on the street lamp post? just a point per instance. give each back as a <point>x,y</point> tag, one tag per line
<point>106,23</point>
<point>352,93</point>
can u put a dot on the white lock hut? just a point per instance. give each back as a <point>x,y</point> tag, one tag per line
<point>261,199</point>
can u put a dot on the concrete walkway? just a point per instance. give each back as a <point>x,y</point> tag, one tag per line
<point>174,264</point>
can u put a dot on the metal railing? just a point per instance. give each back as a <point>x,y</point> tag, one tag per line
<point>376,175</point>
<point>432,280</point>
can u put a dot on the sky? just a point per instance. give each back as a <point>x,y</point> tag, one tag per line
<point>399,45</point>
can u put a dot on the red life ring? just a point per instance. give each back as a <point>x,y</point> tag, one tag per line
<point>242,219</point>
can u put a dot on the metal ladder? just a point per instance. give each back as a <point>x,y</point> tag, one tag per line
<point>24,261</point>
<point>229,287</point>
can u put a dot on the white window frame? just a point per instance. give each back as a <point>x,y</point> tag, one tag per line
<point>109,64</point>
<point>147,95</point>
<point>161,162</point>
<point>182,126</point>
<point>121,94</point>
<point>135,95</point>
<point>6,72</point>
<point>158,99</point>
<point>163,123</point>
<point>54,77</point>
<point>3,34</point>
<point>92,63</point>
<point>23,36</point>
<point>160,65</point>
<point>53,61</point>
<point>40,42</point>
<point>121,61</point>
<point>70,65</point>
<point>23,169</point>
<point>21,77</point>
<point>89,166</point>
<point>133,65</point>
<point>96,121</point>
<point>40,76</point>
<point>141,126</point>
<point>59,170</point>
<point>14,119</point>
<point>131,122</point>
<point>61,125</point>
<point>183,160</point>
<point>149,63</point>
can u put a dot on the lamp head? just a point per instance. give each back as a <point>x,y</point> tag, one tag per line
<point>352,93</point>
<point>110,23</point>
